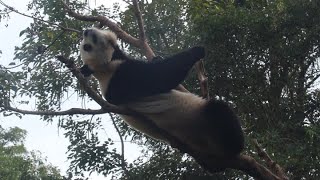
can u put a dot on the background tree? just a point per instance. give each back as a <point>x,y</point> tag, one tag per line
<point>17,163</point>
<point>262,58</point>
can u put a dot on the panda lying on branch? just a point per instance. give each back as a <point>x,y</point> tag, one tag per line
<point>208,127</point>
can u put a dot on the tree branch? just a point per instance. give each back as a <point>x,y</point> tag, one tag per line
<point>123,163</point>
<point>142,35</point>
<point>71,111</point>
<point>270,163</point>
<point>38,19</point>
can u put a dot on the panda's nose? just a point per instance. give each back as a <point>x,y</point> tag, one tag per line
<point>86,32</point>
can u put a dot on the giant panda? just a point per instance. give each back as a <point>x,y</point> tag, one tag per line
<point>207,126</point>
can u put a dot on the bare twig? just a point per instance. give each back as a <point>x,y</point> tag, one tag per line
<point>123,164</point>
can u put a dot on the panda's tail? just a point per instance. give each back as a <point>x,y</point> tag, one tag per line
<point>226,126</point>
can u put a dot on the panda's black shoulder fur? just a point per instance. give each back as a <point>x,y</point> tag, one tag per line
<point>134,79</point>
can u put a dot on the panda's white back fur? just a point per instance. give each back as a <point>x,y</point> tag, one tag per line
<point>180,114</point>
<point>170,110</point>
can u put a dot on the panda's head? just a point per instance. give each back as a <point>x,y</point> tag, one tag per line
<point>97,46</point>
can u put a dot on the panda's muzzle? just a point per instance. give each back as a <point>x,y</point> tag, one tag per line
<point>87,47</point>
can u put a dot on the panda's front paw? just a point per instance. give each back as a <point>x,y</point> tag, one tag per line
<point>198,52</point>
<point>86,71</point>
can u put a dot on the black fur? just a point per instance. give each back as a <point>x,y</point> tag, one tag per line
<point>136,79</point>
<point>90,32</point>
<point>86,71</point>
<point>225,126</point>
<point>119,55</point>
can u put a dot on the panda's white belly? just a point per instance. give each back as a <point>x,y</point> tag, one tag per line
<point>176,112</point>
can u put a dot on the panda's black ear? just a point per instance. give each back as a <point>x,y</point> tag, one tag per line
<point>118,54</point>
<point>86,71</point>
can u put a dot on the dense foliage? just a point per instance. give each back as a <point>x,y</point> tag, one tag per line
<point>264,59</point>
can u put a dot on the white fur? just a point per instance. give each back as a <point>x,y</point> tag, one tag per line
<point>170,110</point>
<point>178,113</point>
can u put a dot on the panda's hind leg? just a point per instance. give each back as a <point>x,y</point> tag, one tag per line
<point>225,126</point>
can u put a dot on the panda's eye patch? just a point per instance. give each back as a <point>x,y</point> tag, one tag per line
<point>86,32</point>
<point>87,47</point>
<point>94,38</point>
